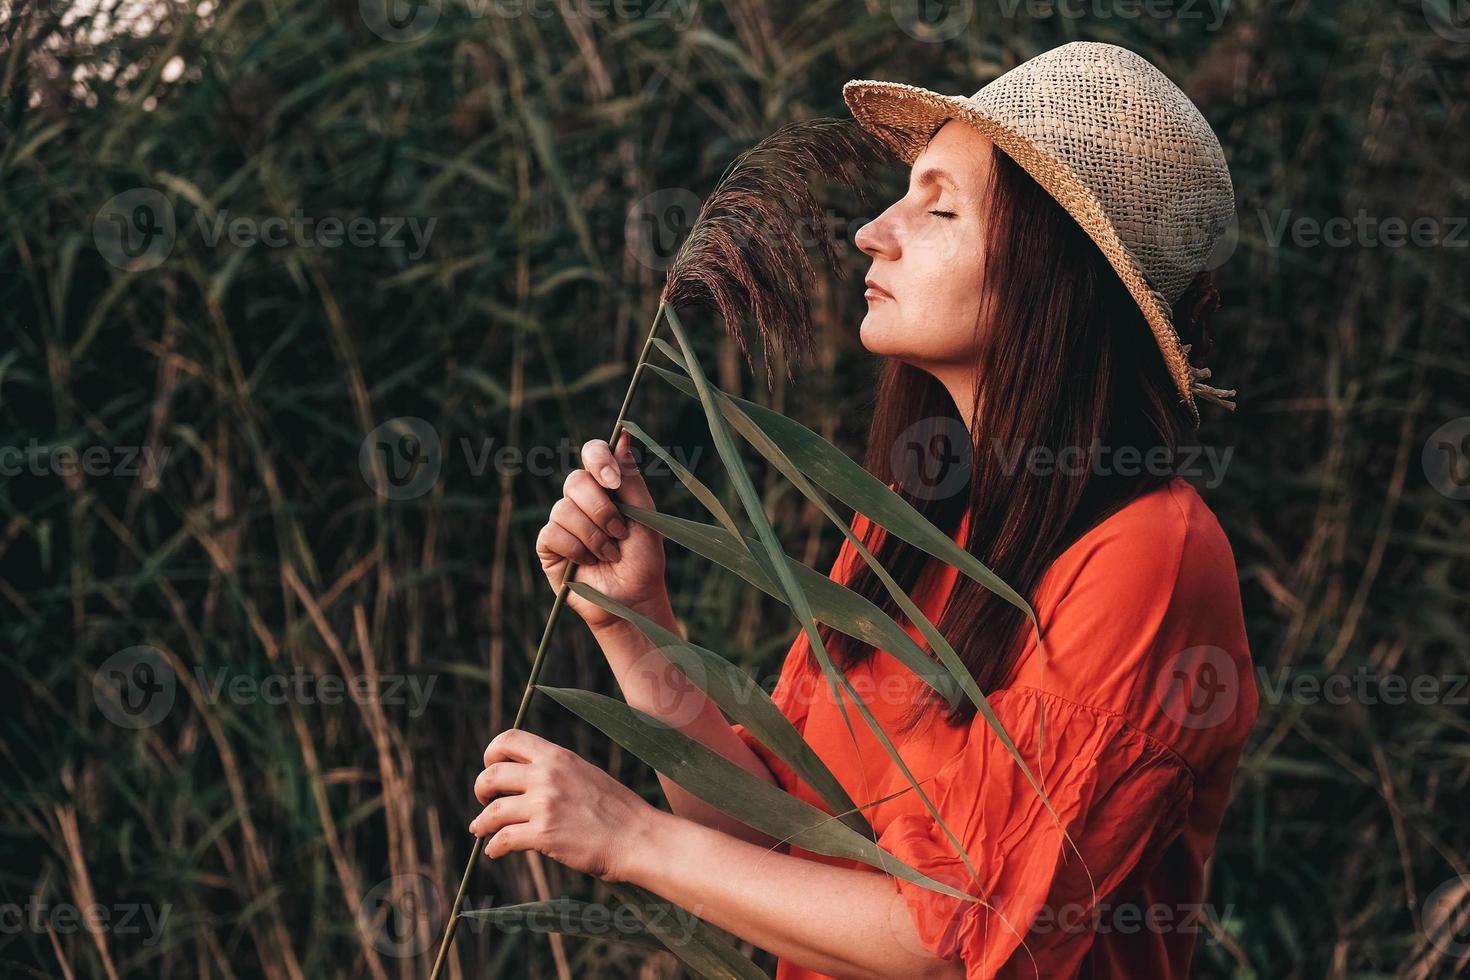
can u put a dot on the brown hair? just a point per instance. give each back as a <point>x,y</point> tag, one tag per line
<point>1068,360</point>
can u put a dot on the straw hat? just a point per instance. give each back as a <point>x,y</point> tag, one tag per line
<point>1118,145</point>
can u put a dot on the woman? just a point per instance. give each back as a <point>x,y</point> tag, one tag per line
<point>1020,293</point>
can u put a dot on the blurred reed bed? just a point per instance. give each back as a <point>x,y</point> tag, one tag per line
<point>263,548</point>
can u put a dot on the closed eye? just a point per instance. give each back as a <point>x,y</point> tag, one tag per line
<point>943,214</point>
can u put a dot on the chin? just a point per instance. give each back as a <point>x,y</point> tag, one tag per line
<point>881,336</point>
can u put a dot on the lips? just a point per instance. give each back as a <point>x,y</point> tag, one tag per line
<point>876,290</point>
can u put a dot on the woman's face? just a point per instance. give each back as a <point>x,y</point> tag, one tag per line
<point>925,283</point>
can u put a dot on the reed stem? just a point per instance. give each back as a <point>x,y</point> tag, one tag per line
<point>556,607</point>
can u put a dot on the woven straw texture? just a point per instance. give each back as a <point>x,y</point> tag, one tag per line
<point>1117,144</point>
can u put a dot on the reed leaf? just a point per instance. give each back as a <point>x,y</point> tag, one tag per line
<point>816,456</point>
<point>758,437</point>
<point>831,602</point>
<point>744,701</point>
<point>794,596</point>
<point>848,481</point>
<point>691,482</point>
<point>707,952</point>
<point>567,916</point>
<point>704,950</point>
<point>743,795</point>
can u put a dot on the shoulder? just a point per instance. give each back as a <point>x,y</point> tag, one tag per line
<point>1137,555</point>
<point>1145,590</point>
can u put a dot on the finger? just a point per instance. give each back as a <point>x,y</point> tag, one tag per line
<point>555,543</point>
<point>569,514</point>
<point>502,812</point>
<point>597,459</point>
<point>513,837</point>
<point>633,490</point>
<point>582,490</point>
<point>516,745</point>
<point>501,777</point>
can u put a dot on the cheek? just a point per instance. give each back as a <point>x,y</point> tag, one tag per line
<point>934,319</point>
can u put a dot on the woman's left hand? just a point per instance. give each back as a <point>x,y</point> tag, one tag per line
<point>542,797</point>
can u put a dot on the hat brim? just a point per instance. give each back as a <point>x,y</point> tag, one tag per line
<point>905,117</point>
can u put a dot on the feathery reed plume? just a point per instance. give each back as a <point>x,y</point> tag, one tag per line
<point>745,251</point>
<point>749,250</point>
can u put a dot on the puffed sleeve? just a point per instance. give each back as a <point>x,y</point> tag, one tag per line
<point>1120,794</point>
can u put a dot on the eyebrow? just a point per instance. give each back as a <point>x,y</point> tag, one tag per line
<point>930,175</point>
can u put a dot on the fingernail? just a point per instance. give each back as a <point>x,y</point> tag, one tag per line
<point>617,528</point>
<point>610,551</point>
<point>611,476</point>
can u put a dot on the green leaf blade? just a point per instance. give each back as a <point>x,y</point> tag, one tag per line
<point>743,795</point>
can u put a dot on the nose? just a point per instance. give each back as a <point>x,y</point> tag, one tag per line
<point>877,238</point>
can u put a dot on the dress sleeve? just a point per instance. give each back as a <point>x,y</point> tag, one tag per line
<point>1120,794</point>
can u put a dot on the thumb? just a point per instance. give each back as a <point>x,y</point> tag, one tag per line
<point>632,490</point>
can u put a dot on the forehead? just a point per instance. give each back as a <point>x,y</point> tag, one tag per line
<point>956,158</point>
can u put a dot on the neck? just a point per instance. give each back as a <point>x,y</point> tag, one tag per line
<point>960,383</point>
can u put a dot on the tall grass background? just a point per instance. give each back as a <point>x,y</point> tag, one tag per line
<point>527,133</point>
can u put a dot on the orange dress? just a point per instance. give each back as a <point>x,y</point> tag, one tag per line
<point>1147,695</point>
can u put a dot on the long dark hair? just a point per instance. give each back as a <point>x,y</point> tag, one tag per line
<point>1066,361</point>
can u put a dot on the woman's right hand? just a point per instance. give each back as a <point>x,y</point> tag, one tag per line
<point>619,558</point>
